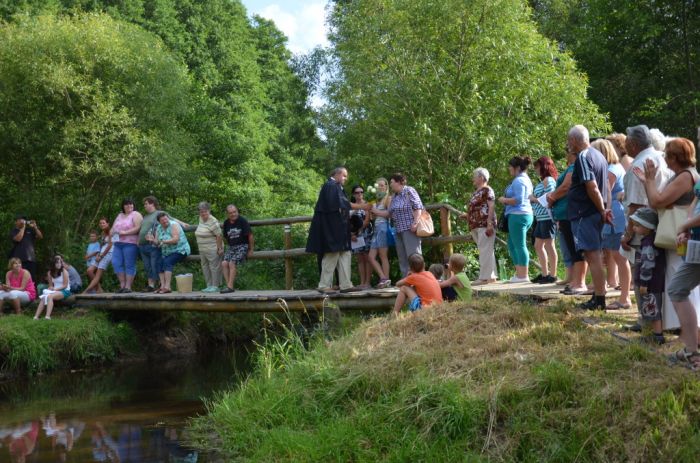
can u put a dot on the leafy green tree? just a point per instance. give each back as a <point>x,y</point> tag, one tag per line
<point>435,89</point>
<point>641,57</point>
<point>93,109</point>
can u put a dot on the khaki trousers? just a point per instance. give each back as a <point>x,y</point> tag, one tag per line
<point>331,261</point>
<point>211,265</point>
<point>487,257</point>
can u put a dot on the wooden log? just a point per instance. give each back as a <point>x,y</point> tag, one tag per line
<point>445,231</point>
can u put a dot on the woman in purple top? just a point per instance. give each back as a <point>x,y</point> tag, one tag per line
<point>404,210</point>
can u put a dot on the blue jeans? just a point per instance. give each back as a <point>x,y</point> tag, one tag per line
<point>169,261</point>
<point>124,258</point>
<point>151,257</point>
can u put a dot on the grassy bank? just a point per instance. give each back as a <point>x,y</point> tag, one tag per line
<point>74,340</point>
<point>493,381</point>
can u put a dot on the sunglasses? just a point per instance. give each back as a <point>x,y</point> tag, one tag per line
<point>359,192</point>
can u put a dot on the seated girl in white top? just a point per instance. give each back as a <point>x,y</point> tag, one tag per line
<point>59,287</point>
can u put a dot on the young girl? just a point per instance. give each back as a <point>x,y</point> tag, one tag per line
<point>59,288</point>
<point>364,234</point>
<point>380,243</point>
<point>102,259</point>
<point>93,249</point>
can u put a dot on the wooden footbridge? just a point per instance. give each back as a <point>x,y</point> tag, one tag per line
<point>288,298</point>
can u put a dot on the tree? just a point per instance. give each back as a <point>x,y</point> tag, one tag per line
<point>92,108</point>
<point>435,89</point>
<point>641,57</point>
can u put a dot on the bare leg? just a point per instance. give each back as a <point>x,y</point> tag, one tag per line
<point>625,276</point>
<point>689,322</point>
<point>129,281</point>
<point>521,271</point>
<point>578,275</point>
<point>552,257</point>
<point>39,309</point>
<point>611,263</point>
<point>595,261</point>
<point>375,265</point>
<point>15,306</point>
<point>95,282</point>
<point>231,278</point>
<point>384,259</point>
<point>224,271</point>
<point>406,293</point>
<point>541,255</point>
<point>91,272</point>
<point>161,276</point>
<point>167,277</point>
<point>50,302</point>
<point>122,280</point>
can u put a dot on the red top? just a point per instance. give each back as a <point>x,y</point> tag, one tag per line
<point>426,286</point>
<point>16,282</point>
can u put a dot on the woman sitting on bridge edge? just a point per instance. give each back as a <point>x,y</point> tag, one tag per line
<point>171,239</point>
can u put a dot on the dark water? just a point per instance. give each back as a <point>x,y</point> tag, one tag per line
<point>126,414</point>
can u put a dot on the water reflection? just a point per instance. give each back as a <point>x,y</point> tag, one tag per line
<point>132,414</point>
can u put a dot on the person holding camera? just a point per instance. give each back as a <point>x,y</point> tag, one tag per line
<point>24,236</point>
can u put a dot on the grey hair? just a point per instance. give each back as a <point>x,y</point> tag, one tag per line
<point>204,206</point>
<point>579,133</point>
<point>233,206</point>
<point>482,172</point>
<point>658,139</point>
<point>337,170</point>
<point>640,135</point>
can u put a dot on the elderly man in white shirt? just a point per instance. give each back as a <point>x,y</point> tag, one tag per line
<point>639,146</point>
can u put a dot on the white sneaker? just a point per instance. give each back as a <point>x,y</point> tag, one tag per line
<point>515,279</point>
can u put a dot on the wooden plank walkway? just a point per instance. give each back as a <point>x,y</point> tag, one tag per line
<point>294,300</point>
<point>241,301</point>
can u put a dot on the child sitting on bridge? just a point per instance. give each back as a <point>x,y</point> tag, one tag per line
<point>419,288</point>
<point>458,279</point>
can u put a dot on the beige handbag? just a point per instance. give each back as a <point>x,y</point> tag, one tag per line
<point>425,225</point>
<point>667,230</point>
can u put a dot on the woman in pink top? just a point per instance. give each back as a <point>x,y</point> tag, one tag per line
<point>125,237</point>
<point>18,288</point>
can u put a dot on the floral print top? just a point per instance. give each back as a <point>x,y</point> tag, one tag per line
<point>478,211</point>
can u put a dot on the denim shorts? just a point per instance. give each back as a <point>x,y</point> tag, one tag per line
<point>588,233</point>
<point>612,241</point>
<point>545,229</point>
<point>415,304</point>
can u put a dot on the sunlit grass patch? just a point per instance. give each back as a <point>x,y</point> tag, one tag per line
<point>494,380</point>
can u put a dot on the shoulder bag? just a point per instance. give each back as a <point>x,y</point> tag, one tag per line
<point>425,225</point>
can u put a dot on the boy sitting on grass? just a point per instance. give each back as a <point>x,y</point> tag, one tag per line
<point>419,288</point>
<point>448,292</point>
<point>649,272</point>
<point>458,279</point>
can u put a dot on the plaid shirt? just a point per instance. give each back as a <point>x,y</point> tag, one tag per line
<point>402,206</point>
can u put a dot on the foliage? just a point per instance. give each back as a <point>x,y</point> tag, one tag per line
<point>436,89</point>
<point>183,99</point>
<point>35,346</point>
<point>641,57</point>
<point>489,381</point>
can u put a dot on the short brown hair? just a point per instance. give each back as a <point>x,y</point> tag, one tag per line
<point>457,262</point>
<point>682,151</point>
<point>152,200</point>
<point>416,262</point>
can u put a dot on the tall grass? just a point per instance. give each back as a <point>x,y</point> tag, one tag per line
<point>492,381</point>
<point>35,346</point>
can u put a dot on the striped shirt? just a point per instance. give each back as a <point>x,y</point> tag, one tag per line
<point>402,206</point>
<point>545,186</point>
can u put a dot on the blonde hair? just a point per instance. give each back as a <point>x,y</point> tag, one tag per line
<point>387,197</point>
<point>457,262</point>
<point>608,149</point>
<point>13,261</point>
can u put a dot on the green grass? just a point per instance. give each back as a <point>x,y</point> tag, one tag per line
<point>82,339</point>
<point>492,381</point>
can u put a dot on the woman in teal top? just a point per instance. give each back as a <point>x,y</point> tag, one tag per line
<point>171,239</point>
<point>518,215</point>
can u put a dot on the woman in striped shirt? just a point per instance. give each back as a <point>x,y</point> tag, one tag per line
<point>545,228</point>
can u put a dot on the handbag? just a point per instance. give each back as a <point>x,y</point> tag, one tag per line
<point>425,225</point>
<point>503,223</point>
<point>667,230</point>
<point>390,236</point>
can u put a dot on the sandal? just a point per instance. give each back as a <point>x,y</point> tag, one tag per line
<point>617,305</point>
<point>165,291</point>
<point>682,357</point>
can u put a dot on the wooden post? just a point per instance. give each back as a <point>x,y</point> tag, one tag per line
<point>446,230</point>
<point>288,265</point>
